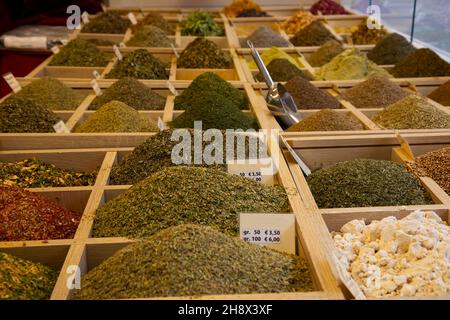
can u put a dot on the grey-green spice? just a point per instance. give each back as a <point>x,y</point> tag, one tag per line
<point>203,53</point>
<point>265,37</point>
<point>79,53</point>
<point>149,36</point>
<point>314,34</point>
<point>325,53</point>
<point>107,22</point>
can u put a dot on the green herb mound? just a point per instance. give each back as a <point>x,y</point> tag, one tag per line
<point>157,20</point>
<point>107,22</point>
<point>79,53</point>
<point>366,183</point>
<point>203,53</point>
<point>201,23</point>
<point>149,36</point>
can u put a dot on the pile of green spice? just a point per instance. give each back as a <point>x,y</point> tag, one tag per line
<point>441,94</point>
<point>34,173</point>
<point>116,116</point>
<point>210,82</point>
<point>422,63</point>
<point>274,53</point>
<point>327,120</point>
<point>27,215</point>
<point>201,23</point>
<point>325,53</point>
<point>107,22</point>
<point>51,94</point>
<point>412,112</point>
<point>364,35</point>
<point>25,280</point>
<point>265,37</point>
<point>149,36</point>
<point>308,96</point>
<point>79,53</point>
<point>178,195</point>
<point>139,64</point>
<point>203,53</point>
<point>391,49</point>
<point>314,34</point>
<point>101,42</point>
<point>366,183</point>
<point>20,115</point>
<point>157,20</point>
<point>434,164</point>
<point>282,70</point>
<point>131,92</point>
<point>194,260</point>
<point>375,92</point>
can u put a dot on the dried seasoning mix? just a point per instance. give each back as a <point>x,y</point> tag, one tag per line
<point>265,37</point>
<point>107,22</point>
<point>314,34</point>
<point>275,53</point>
<point>364,35</point>
<point>327,120</point>
<point>149,36</point>
<point>308,96</point>
<point>194,260</point>
<point>391,49</point>
<point>79,53</point>
<point>441,94</point>
<point>237,6</point>
<point>201,23</point>
<point>297,22</point>
<point>101,42</point>
<point>366,183</point>
<point>203,53</point>
<point>422,63</point>
<point>327,7</point>
<point>178,195</point>
<point>325,53</point>
<point>282,70</point>
<point>252,13</point>
<point>157,20</point>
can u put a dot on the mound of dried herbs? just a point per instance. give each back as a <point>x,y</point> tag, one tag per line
<point>34,173</point>
<point>252,13</point>
<point>274,53</point>
<point>412,112</point>
<point>21,115</point>
<point>375,92</point>
<point>27,215</point>
<point>107,22</point>
<point>101,42</point>
<point>149,36</point>
<point>201,23</point>
<point>25,280</point>
<point>441,94</point>
<point>327,7</point>
<point>79,53</point>
<point>265,37</point>
<point>364,35</point>
<point>210,82</point>
<point>131,92</point>
<point>282,70</point>
<point>327,120</point>
<point>421,63</point>
<point>308,96</point>
<point>366,183</point>
<point>325,53</point>
<point>139,64</point>
<point>391,49</point>
<point>178,195</point>
<point>157,20</point>
<point>314,34</point>
<point>203,53</point>
<point>116,116</point>
<point>237,6</point>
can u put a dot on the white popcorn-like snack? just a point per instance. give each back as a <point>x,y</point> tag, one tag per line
<point>407,257</point>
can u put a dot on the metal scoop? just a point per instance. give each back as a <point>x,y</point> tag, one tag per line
<point>279,101</point>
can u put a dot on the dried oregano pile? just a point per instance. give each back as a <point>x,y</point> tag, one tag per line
<point>149,36</point>
<point>203,53</point>
<point>201,23</point>
<point>107,22</point>
<point>274,53</point>
<point>25,280</point>
<point>421,63</point>
<point>327,120</point>
<point>412,112</point>
<point>34,173</point>
<point>210,82</point>
<point>29,216</point>
<point>101,42</point>
<point>194,260</point>
<point>315,34</point>
<point>265,37</point>
<point>325,53</point>
<point>178,195</point>
<point>139,64</point>
<point>364,35</point>
<point>131,92</point>
<point>441,94</point>
<point>157,20</point>
<point>282,70</point>
<point>79,53</point>
<point>308,96</point>
<point>366,183</point>
<point>116,116</point>
<point>391,49</point>
<point>21,115</point>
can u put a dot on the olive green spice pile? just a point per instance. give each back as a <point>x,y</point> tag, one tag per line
<point>325,53</point>
<point>21,115</point>
<point>157,20</point>
<point>265,37</point>
<point>194,260</point>
<point>375,92</point>
<point>116,116</point>
<point>149,36</point>
<point>201,23</point>
<point>366,183</point>
<point>391,49</point>
<point>178,195</point>
<point>412,112</point>
<point>210,82</point>
<point>441,94</point>
<point>434,164</point>
<point>107,22</point>
<point>203,53</point>
<point>314,34</point>
<point>364,35</point>
<point>308,96</point>
<point>139,64</point>
<point>34,173</point>
<point>79,53</point>
<point>421,63</point>
<point>25,280</point>
<point>282,70</point>
<point>327,120</point>
<point>101,42</point>
<point>131,92</point>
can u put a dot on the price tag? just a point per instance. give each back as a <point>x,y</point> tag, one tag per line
<point>122,45</point>
<point>161,124</point>
<point>25,42</point>
<point>95,86</point>
<point>132,18</point>
<point>261,170</point>
<point>274,230</point>
<point>12,82</point>
<point>55,49</point>
<point>171,88</point>
<point>60,127</point>
<point>85,17</point>
<point>96,74</point>
<point>117,52</point>
<point>175,52</point>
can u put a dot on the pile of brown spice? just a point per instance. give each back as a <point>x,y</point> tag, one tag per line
<point>282,70</point>
<point>364,35</point>
<point>325,53</point>
<point>327,120</point>
<point>391,49</point>
<point>421,63</point>
<point>308,96</point>
<point>315,34</point>
<point>441,94</point>
<point>154,19</point>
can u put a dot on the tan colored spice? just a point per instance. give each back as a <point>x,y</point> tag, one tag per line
<point>327,120</point>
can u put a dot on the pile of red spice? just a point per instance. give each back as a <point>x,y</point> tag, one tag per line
<point>26,215</point>
<point>327,7</point>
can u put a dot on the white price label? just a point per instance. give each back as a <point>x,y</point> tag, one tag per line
<point>122,45</point>
<point>25,42</point>
<point>85,17</point>
<point>96,74</point>
<point>12,82</point>
<point>117,52</point>
<point>171,88</point>
<point>262,236</point>
<point>55,49</point>
<point>60,127</point>
<point>132,18</point>
<point>161,124</point>
<point>261,170</point>
<point>175,52</point>
<point>96,87</point>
